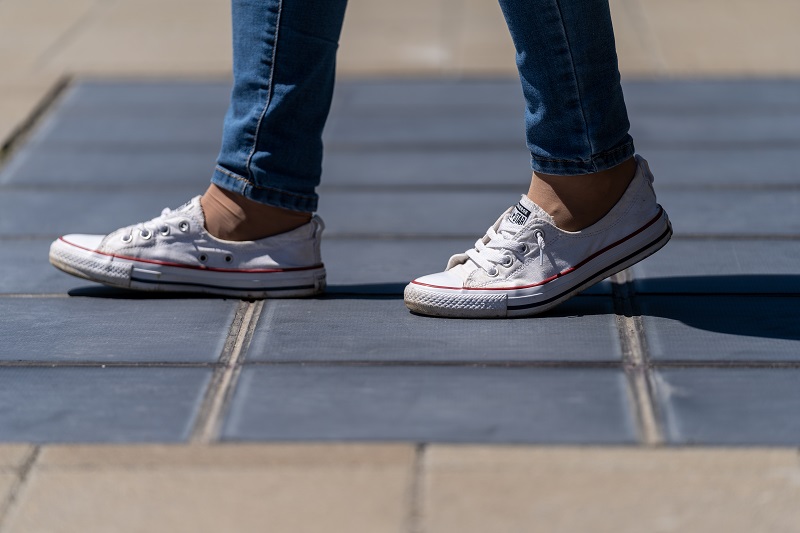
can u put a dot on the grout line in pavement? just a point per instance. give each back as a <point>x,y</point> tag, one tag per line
<point>104,364</point>
<point>636,361</point>
<point>428,364</point>
<point>417,491</point>
<point>223,382</point>
<point>22,478</point>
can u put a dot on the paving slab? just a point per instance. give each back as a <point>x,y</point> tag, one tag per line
<point>721,328</point>
<point>293,491</point>
<point>95,168</point>
<point>385,266</point>
<point>114,330</point>
<point>476,489</point>
<point>720,213</point>
<point>734,406</point>
<point>381,329</point>
<point>431,404</point>
<point>711,266</point>
<point>221,456</point>
<point>94,404</point>
<point>29,213</point>
<point>759,167</point>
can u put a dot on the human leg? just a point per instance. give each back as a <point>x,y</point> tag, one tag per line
<point>590,210</point>
<point>263,186</point>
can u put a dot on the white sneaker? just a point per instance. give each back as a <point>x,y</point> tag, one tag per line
<point>525,265</point>
<point>174,252</point>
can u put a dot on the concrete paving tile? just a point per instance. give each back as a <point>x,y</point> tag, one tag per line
<point>131,131</point>
<point>721,37</point>
<point>13,456</point>
<point>407,213</point>
<point>478,489</point>
<point>712,97</point>
<point>475,131</point>
<point>289,496</point>
<point>721,328</point>
<point>721,266</point>
<point>482,44</point>
<point>31,213</point>
<point>110,330</point>
<point>24,269</point>
<point>759,129</point>
<point>423,96</point>
<point>149,37</point>
<point>384,37</point>
<point>457,169</point>
<point>379,329</point>
<point>131,168</point>
<point>222,456</point>
<point>99,404</point>
<point>430,403</point>
<point>749,406</point>
<point>758,167</point>
<point>384,266</point>
<point>720,212</point>
<point>103,96</point>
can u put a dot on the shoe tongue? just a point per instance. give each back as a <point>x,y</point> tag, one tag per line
<point>519,215</point>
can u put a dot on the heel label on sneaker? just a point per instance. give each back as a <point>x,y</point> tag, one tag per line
<point>519,215</point>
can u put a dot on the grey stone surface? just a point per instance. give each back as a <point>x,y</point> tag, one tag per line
<point>721,266</point>
<point>731,406</point>
<point>29,212</point>
<point>722,328</point>
<point>755,167</point>
<point>102,169</point>
<point>438,96</point>
<point>437,404</point>
<point>726,96</point>
<point>114,330</point>
<point>103,96</point>
<point>144,131</point>
<point>24,269</point>
<point>407,213</point>
<point>402,130</point>
<point>699,130</point>
<point>46,405</point>
<point>733,212</point>
<point>448,169</point>
<point>382,329</point>
<point>367,266</point>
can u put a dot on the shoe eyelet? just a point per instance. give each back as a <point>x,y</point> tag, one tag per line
<point>492,272</point>
<point>228,258</point>
<point>507,261</point>
<point>203,258</point>
<point>183,226</point>
<point>164,230</point>
<point>146,234</point>
<point>525,248</point>
<point>127,238</point>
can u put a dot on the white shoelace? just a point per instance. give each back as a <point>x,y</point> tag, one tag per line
<point>158,224</point>
<point>492,249</point>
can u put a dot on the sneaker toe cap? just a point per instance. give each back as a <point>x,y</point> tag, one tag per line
<point>89,242</point>
<point>447,279</point>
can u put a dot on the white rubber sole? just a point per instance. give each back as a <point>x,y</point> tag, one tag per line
<point>145,276</point>
<point>488,303</point>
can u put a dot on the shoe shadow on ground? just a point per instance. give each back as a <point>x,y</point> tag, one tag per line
<point>765,306</point>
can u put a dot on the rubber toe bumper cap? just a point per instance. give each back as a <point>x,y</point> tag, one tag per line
<point>89,242</point>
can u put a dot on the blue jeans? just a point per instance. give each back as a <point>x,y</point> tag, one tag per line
<point>284,61</point>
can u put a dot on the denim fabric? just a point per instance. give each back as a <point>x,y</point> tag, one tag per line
<point>284,60</point>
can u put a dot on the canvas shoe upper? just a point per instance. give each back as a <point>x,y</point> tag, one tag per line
<point>525,264</point>
<point>174,252</point>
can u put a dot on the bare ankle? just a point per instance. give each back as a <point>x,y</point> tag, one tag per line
<point>232,217</point>
<point>577,202</point>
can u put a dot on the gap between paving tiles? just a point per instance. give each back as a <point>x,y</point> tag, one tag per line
<point>636,361</point>
<point>23,473</point>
